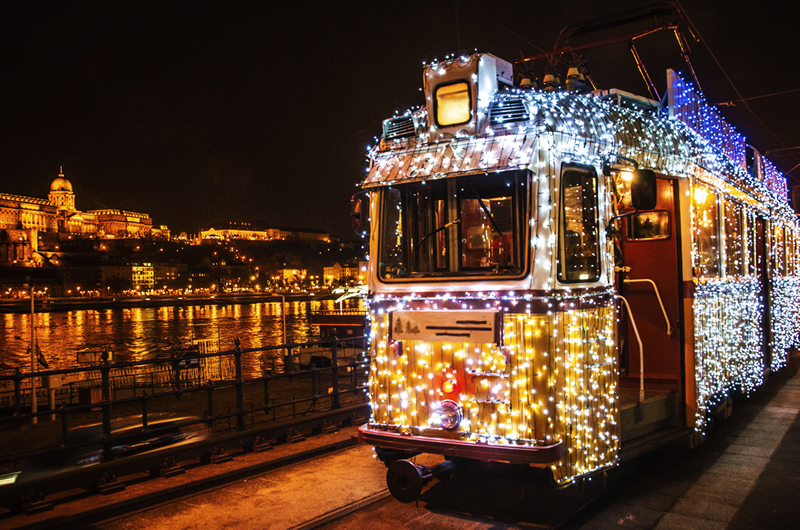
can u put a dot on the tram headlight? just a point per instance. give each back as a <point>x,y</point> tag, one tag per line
<point>450,415</point>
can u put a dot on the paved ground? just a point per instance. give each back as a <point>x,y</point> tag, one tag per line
<point>282,499</point>
<point>746,475</point>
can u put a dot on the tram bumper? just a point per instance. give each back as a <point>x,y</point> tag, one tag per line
<point>406,479</point>
<point>515,454</point>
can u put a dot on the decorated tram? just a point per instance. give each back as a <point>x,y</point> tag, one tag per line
<point>561,276</point>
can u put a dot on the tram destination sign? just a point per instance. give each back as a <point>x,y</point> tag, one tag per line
<point>453,326</point>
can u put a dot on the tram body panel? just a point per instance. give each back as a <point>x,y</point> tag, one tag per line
<point>552,381</point>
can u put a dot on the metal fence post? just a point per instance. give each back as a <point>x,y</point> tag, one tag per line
<point>337,404</point>
<point>105,370</point>
<point>266,393</point>
<point>144,397</point>
<point>237,355</point>
<point>210,412</point>
<point>17,393</point>
<point>176,372</point>
<point>288,363</point>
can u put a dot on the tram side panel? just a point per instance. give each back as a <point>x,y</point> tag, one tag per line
<point>744,298</point>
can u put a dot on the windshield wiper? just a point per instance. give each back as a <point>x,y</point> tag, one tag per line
<point>448,225</point>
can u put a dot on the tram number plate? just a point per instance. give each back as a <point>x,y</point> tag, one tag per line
<point>453,326</point>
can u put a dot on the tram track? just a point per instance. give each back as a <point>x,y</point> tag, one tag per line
<point>566,508</point>
<point>207,479</point>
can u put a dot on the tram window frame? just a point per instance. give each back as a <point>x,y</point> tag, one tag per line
<point>732,222</point>
<point>565,263</point>
<point>710,267</point>
<point>399,260</point>
<point>667,225</point>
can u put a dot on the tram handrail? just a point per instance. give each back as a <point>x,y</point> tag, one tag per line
<point>641,349</point>
<point>658,295</point>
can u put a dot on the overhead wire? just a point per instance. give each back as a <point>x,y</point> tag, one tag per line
<point>741,99</point>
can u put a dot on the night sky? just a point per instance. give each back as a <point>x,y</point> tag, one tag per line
<point>199,113</point>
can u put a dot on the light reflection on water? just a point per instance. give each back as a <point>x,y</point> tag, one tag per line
<point>146,333</point>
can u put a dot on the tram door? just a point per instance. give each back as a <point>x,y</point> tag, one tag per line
<point>649,245</point>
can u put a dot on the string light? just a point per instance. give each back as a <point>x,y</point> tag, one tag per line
<point>554,376</point>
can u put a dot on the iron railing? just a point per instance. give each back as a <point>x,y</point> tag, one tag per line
<point>315,375</point>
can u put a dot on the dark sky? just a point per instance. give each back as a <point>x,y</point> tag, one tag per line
<point>202,112</point>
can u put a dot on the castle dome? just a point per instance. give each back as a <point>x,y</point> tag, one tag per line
<point>61,184</point>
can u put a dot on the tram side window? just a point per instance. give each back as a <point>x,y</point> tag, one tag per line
<point>779,254</point>
<point>392,264</point>
<point>734,250</point>
<point>706,230</point>
<point>750,242</point>
<point>425,216</point>
<point>579,255</point>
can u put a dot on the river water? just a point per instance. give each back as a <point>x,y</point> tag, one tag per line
<point>145,333</point>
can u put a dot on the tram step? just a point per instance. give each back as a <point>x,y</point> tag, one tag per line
<point>654,413</point>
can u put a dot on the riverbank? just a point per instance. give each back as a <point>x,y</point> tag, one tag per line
<point>71,304</point>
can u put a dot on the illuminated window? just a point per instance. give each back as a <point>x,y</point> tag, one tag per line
<point>734,251</point>
<point>579,256</point>
<point>453,104</point>
<point>474,224</point>
<point>750,242</point>
<point>779,253</point>
<point>706,231</point>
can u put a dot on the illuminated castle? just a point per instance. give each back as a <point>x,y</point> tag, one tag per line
<point>58,214</point>
<point>23,218</point>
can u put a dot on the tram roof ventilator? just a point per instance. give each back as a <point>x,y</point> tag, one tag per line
<point>486,76</point>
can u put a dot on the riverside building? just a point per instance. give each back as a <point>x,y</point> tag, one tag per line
<point>24,219</point>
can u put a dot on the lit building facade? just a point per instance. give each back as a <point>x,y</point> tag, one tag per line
<point>58,213</point>
<point>247,231</point>
<point>338,272</point>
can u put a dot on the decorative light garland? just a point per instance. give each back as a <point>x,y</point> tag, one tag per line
<point>555,376</point>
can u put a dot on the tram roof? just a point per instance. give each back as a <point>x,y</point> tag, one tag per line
<point>587,127</point>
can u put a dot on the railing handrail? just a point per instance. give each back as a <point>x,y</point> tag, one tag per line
<point>176,386</point>
<point>162,360</point>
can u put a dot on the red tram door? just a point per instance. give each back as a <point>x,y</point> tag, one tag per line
<point>649,270</point>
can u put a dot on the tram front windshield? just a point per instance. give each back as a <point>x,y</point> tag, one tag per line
<point>470,225</point>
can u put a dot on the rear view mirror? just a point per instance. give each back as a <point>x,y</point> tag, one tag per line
<point>359,213</point>
<point>643,189</point>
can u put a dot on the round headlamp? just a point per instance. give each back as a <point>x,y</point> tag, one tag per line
<point>450,415</point>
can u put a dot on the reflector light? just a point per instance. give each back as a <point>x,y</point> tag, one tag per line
<point>448,386</point>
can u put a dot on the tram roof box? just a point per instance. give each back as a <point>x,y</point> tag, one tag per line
<point>627,100</point>
<point>458,92</point>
